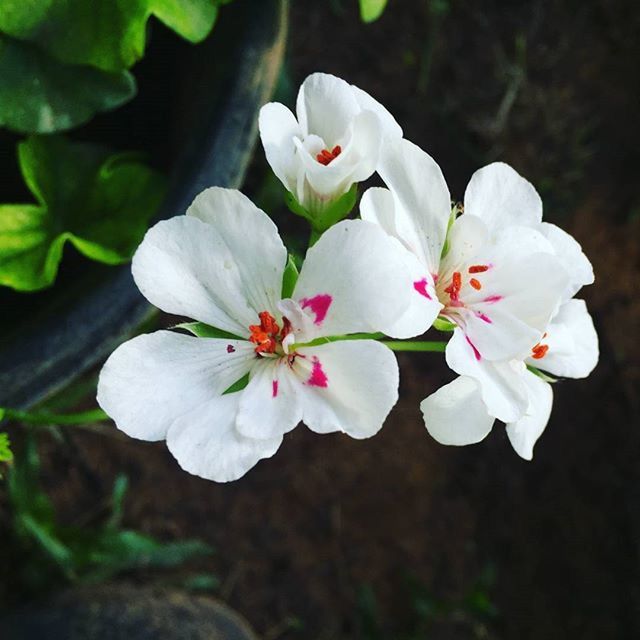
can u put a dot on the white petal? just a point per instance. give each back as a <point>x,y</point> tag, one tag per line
<point>501,383</point>
<point>390,128</point>
<point>251,237</point>
<point>278,128</point>
<point>524,433</point>
<point>151,380</point>
<point>572,257</point>
<point>184,267</point>
<point>206,443</point>
<point>325,106</point>
<point>572,341</point>
<point>501,197</point>
<point>377,205</point>
<point>354,280</point>
<point>517,300</point>
<point>467,239</point>
<point>349,386</point>
<point>456,415</point>
<point>270,404</point>
<point>423,203</point>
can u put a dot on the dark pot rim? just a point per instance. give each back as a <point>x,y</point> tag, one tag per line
<point>43,359</point>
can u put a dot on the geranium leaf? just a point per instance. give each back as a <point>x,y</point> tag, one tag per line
<point>107,34</point>
<point>39,94</point>
<point>99,202</point>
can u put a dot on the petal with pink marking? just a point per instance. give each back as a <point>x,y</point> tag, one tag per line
<point>456,415</point>
<point>270,405</point>
<point>206,443</point>
<point>501,383</point>
<point>363,271</point>
<point>153,379</point>
<point>348,386</point>
<point>524,433</point>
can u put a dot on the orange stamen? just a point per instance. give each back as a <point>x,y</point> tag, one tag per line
<point>264,335</point>
<point>478,268</point>
<point>475,284</point>
<point>454,288</point>
<point>326,157</point>
<point>539,351</point>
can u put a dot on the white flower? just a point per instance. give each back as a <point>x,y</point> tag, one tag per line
<point>333,141</point>
<point>222,264</point>
<point>498,281</point>
<point>457,415</point>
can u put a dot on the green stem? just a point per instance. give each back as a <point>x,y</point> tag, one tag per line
<point>327,339</point>
<point>408,345</point>
<point>45,418</point>
<point>314,237</point>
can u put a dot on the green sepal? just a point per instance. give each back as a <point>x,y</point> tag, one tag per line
<point>238,385</point>
<point>202,330</point>
<point>455,210</point>
<point>541,374</point>
<point>323,220</point>
<point>289,278</point>
<point>440,324</point>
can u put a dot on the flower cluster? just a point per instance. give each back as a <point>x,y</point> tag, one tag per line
<point>273,346</point>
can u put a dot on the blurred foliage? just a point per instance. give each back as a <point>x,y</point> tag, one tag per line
<point>371,10</point>
<point>39,94</point>
<point>50,552</point>
<point>470,614</point>
<point>99,202</point>
<point>6,455</point>
<point>62,61</point>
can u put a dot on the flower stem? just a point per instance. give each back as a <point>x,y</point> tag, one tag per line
<point>45,418</point>
<point>408,345</point>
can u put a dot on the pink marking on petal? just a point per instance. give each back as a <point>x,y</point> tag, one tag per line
<point>319,305</point>
<point>476,353</point>
<point>318,377</point>
<point>274,388</point>
<point>483,317</point>
<point>421,287</point>
<point>230,348</point>
<point>492,299</point>
<point>435,278</point>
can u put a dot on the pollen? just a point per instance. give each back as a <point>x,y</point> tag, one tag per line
<point>454,288</point>
<point>539,351</point>
<point>475,284</point>
<point>265,334</point>
<point>478,268</point>
<point>326,157</point>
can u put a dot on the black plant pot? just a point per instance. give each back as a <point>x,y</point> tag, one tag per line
<point>215,92</point>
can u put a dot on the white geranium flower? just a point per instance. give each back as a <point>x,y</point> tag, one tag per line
<point>457,415</point>
<point>498,280</point>
<point>222,264</point>
<point>332,142</point>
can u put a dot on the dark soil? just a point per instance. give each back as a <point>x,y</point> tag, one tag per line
<point>475,542</point>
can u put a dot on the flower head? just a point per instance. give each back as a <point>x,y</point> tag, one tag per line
<point>498,282</point>
<point>332,142</point>
<point>223,264</point>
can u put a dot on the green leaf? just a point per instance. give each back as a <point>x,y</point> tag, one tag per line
<point>202,330</point>
<point>107,34</point>
<point>371,10</point>
<point>238,385</point>
<point>39,94</point>
<point>289,278</point>
<point>6,455</point>
<point>100,203</point>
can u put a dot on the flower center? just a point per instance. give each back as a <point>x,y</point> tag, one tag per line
<point>267,335</point>
<point>326,157</point>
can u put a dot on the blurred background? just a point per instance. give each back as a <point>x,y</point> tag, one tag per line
<point>398,537</point>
